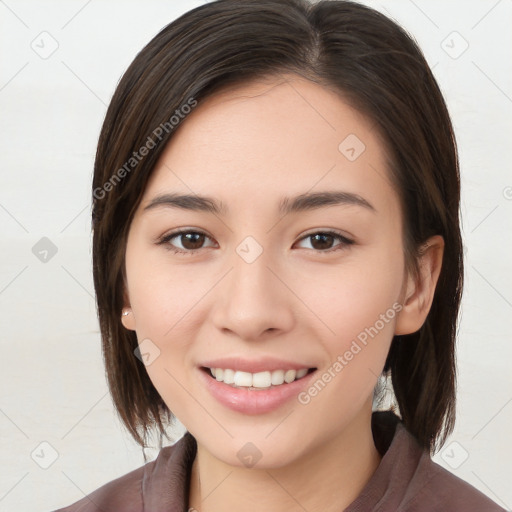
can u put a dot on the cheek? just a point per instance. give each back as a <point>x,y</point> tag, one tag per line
<point>164,303</point>
<point>359,304</point>
<point>161,294</point>
<point>352,296</point>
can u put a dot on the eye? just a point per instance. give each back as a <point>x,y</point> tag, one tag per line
<point>191,241</point>
<point>322,241</point>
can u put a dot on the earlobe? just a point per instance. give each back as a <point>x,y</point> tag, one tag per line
<point>420,291</point>
<point>127,319</point>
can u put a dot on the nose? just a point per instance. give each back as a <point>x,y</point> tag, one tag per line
<point>253,299</point>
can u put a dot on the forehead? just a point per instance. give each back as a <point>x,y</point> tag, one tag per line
<point>276,134</point>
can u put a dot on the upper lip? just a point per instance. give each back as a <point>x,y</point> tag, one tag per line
<point>254,365</point>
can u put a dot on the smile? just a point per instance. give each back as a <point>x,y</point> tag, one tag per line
<point>259,380</point>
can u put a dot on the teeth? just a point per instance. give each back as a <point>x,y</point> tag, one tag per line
<point>257,380</point>
<point>261,379</point>
<point>229,376</point>
<point>301,373</point>
<point>241,378</point>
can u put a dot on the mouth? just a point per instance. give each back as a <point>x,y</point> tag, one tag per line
<point>256,381</point>
<point>264,397</point>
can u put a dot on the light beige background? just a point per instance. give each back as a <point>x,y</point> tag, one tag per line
<point>53,388</point>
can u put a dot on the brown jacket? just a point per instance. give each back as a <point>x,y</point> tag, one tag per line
<point>407,480</point>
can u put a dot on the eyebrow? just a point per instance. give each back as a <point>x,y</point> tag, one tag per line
<point>302,202</point>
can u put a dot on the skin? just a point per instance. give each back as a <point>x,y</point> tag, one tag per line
<point>248,147</point>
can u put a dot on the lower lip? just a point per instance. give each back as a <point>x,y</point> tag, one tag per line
<point>254,402</point>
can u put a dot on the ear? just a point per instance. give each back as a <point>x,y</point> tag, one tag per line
<point>127,318</point>
<point>419,293</point>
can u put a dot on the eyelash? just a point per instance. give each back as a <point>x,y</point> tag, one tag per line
<point>167,238</point>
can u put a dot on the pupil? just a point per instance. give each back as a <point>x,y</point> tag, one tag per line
<point>323,237</point>
<point>192,240</point>
<point>195,241</point>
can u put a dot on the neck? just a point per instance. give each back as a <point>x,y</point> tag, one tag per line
<point>326,479</point>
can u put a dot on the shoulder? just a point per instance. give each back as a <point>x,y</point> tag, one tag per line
<point>124,493</point>
<point>408,480</point>
<point>435,489</point>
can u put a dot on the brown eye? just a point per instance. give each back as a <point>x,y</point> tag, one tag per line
<point>324,241</point>
<point>192,240</point>
<point>187,242</point>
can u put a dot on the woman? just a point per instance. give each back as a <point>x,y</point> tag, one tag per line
<point>276,233</point>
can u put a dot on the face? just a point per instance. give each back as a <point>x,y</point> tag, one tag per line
<point>315,286</point>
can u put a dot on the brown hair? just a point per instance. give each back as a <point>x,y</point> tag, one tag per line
<point>378,69</point>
